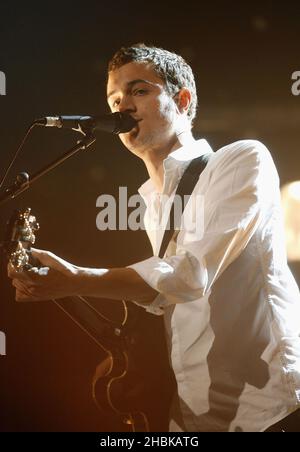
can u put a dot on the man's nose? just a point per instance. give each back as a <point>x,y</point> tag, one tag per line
<point>126,104</point>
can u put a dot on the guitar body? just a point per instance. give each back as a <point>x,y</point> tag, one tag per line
<point>130,389</point>
<point>137,378</point>
<point>117,394</point>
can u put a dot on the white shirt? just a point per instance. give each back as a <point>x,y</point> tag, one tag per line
<point>230,304</point>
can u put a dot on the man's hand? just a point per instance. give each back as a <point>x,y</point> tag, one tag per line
<point>58,278</point>
<point>55,278</point>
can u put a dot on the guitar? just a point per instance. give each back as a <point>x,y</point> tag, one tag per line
<point>122,388</point>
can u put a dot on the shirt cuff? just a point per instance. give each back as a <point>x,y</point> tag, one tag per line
<point>146,270</point>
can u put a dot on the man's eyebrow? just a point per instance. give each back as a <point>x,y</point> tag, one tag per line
<point>131,84</point>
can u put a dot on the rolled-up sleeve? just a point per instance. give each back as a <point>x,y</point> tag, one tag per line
<point>240,187</point>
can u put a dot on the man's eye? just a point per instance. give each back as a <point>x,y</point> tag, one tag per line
<point>116,102</point>
<point>139,92</point>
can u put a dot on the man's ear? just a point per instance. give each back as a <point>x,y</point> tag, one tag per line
<point>183,100</point>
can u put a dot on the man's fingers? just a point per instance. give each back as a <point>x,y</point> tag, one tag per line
<point>19,285</point>
<point>24,296</point>
<point>21,296</point>
<point>25,292</point>
<point>14,274</point>
<point>48,259</point>
<point>42,271</point>
<point>21,293</point>
<point>32,274</point>
<point>27,276</point>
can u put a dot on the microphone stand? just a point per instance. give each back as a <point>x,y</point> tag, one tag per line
<point>24,181</point>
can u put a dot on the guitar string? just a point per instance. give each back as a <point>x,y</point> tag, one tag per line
<point>81,326</point>
<point>84,300</point>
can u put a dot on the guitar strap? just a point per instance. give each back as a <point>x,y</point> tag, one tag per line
<point>185,188</point>
<point>151,350</point>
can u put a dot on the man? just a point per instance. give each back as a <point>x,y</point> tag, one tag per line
<point>230,304</point>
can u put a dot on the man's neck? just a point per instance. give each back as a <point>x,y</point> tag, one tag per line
<point>154,161</point>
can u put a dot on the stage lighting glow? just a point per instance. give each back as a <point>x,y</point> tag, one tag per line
<point>290,196</point>
<point>294,190</point>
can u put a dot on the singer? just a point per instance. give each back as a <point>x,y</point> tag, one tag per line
<point>230,304</point>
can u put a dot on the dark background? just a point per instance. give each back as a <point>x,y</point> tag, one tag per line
<point>54,57</point>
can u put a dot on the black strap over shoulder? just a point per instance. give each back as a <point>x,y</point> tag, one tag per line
<point>185,188</point>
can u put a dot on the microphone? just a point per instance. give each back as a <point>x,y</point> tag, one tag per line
<point>111,122</point>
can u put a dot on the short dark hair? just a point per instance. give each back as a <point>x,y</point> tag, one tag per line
<point>170,67</point>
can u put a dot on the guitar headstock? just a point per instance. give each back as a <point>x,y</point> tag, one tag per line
<point>20,236</point>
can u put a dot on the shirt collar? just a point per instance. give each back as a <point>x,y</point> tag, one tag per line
<point>176,163</point>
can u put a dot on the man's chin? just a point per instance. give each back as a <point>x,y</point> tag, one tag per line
<point>132,137</point>
<point>134,143</point>
<point>132,133</point>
